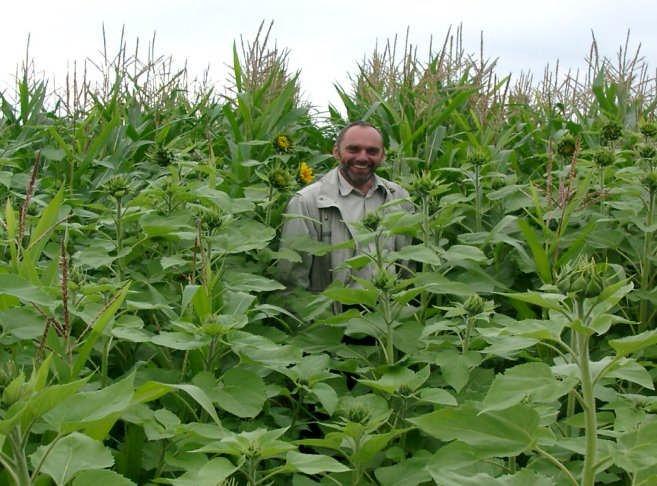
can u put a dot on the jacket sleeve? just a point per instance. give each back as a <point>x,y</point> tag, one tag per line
<point>298,224</point>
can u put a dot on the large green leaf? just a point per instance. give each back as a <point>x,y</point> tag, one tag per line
<point>175,225</point>
<point>38,404</point>
<point>102,477</point>
<point>263,350</point>
<point>44,228</point>
<point>397,376</point>
<point>436,283</point>
<point>455,367</point>
<point>249,282</point>
<point>632,344</point>
<point>152,390</point>
<point>502,433</point>
<point>542,299</point>
<point>313,463</point>
<point>530,381</point>
<point>92,406</point>
<point>538,252</point>
<point>637,450</point>
<point>243,393</point>
<point>180,340</point>
<point>212,473</point>
<point>97,328</point>
<point>350,296</point>
<point>418,253</point>
<point>409,472</point>
<point>21,323</point>
<point>457,255</point>
<point>70,455</point>
<point>243,235</point>
<point>16,286</point>
<point>466,478</point>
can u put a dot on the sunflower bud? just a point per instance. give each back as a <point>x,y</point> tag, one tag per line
<point>648,129</point>
<point>211,220</point>
<point>604,157</point>
<point>583,278</point>
<point>358,414</point>
<point>161,155</point>
<point>611,131</point>
<point>477,157</point>
<point>650,182</point>
<point>372,221</point>
<point>421,186</point>
<point>118,186</point>
<point>567,146</point>
<point>594,285</point>
<point>474,305</point>
<point>213,329</point>
<point>647,151</point>
<point>15,390</point>
<point>384,281</point>
<point>280,178</point>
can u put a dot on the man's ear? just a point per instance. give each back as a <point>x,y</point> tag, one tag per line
<point>336,153</point>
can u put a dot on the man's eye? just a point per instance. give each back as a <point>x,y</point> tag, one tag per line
<point>373,151</point>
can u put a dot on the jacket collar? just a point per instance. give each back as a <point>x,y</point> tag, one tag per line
<point>330,189</point>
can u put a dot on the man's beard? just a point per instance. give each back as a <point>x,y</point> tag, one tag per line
<point>355,177</point>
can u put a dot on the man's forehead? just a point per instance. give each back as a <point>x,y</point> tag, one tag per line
<point>362,135</point>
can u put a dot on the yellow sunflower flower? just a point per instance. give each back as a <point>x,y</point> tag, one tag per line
<point>305,173</point>
<point>282,143</point>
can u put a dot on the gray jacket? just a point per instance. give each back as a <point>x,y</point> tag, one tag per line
<point>320,216</point>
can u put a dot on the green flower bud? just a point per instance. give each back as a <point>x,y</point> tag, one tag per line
<point>358,414</point>
<point>477,157</point>
<point>648,129</point>
<point>567,146</point>
<point>118,186</point>
<point>604,157</point>
<point>474,305</point>
<point>384,281</point>
<point>647,151</point>
<point>280,178</point>
<point>421,186</point>
<point>15,390</point>
<point>583,278</point>
<point>213,329</point>
<point>372,221</point>
<point>650,181</point>
<point>593,286</point>
<point>611,131</point>
<point>162,156</point>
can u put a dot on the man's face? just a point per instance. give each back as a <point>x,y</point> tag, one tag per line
<point>360,153</point>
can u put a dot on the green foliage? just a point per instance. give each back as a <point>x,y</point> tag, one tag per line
<point>146,338</point>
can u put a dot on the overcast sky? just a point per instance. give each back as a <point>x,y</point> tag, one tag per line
<point>326,39</point>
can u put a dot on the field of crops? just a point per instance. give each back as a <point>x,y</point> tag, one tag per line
<point>147,339</point>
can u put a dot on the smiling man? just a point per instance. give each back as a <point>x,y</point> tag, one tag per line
<point>327,210</point>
